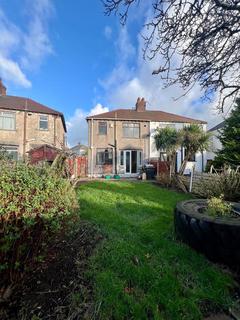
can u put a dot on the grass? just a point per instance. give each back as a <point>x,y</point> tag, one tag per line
<point>140,271</point>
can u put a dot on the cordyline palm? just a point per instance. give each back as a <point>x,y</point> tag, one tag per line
<point>167,140</point>
<point>193,139</point>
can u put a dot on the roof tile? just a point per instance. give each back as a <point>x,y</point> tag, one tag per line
<point>149,115</point>
<point>25,104</point>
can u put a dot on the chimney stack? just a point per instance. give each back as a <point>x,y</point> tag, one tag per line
<point>140,105</point>
<point>3,89</point>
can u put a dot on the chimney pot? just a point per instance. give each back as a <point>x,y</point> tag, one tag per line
<point>140,105</point>
<point>3,89</point>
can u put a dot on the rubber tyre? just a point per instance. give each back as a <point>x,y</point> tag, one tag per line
<point>217,238</point>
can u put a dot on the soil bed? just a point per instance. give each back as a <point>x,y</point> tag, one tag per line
<point>58,288</point>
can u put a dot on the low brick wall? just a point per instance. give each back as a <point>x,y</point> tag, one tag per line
<point>198,177</point>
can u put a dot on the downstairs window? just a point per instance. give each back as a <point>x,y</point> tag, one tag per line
<point>104,156</point>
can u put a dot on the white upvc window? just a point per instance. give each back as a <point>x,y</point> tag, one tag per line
<point>102,128</point>
<point>131,130</point>
<point>7,120</point>
<point>43,122</point>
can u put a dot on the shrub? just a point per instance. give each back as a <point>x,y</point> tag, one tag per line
<point>36,205</point>
<point>217,207</point>
<point>226,184</point>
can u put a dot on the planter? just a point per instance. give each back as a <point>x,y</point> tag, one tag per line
<point>217,238</point>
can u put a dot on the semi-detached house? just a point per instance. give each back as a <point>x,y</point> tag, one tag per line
<point>26,124</point>
<point>122,140</point>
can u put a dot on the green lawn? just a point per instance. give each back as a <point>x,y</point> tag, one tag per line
<point>140,271</point>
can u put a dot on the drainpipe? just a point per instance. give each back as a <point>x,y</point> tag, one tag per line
<point>149,141</point>
<point>115,142</point>
<point>25,131</point>
<point>91,142</point>
<point>54,130</point>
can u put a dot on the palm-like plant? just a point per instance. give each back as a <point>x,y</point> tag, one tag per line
<point>193,139</point>
<point>167,140</point>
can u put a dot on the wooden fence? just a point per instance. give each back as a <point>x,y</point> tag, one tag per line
<point>78,166</point>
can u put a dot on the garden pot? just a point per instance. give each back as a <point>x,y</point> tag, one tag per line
<point>216,237</point>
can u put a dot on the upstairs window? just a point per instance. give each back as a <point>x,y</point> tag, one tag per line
<point>131,130</point>
<point>104,156</point>
<point>102,128</point>
<point>7,120</point>
<point>43,122</point>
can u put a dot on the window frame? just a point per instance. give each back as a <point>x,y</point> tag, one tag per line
<point>11,115</point>
<point>107,156</point>
<point>10,149</point>
<point>41,120</point>
<point>130,125</point>
<point>102,124</point>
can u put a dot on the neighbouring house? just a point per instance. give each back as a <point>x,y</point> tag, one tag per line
<point>26,124</point>
<point>122,140</point>
<point>79,150</point>
<point>215,143</point>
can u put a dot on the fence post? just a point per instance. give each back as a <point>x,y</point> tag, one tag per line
<point>191,180</point>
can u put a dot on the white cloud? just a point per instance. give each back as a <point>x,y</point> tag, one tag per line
<point>125,84</point>
<point>98,109</point>
<point>108,32</point>
<point>10,35</point>
<point>124,47</point>
<point>24,49</point>
<point>124,50</point>
<point>37,44</point>
<point>77,124</point>
<point>11,71</point>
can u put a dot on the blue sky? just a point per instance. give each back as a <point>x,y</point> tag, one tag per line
<point>70,56</point>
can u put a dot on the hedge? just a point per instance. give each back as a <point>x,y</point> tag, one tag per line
<point>35,206</point>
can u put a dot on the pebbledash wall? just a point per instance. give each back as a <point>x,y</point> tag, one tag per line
<point>200,158</point>
<point>33,136</point>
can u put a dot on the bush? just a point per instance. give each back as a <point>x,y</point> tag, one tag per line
<point>217,207</point>
<point>226,184</point>
<point>36,205</point>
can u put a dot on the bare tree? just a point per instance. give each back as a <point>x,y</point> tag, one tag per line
<point>204,34</point>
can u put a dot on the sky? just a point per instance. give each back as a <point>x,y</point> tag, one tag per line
<point>72,57</point>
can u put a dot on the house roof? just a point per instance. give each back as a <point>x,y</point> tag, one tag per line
<point>24,104</point>
<point>149,115</point>
<point>217,127</point>
<point>42,146</point>
<point>79,146</point>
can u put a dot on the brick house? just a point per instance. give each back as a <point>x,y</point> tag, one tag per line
<point>122,140</point>
<point>26,124</point>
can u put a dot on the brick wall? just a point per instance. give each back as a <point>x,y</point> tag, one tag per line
<point>34,136</point>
